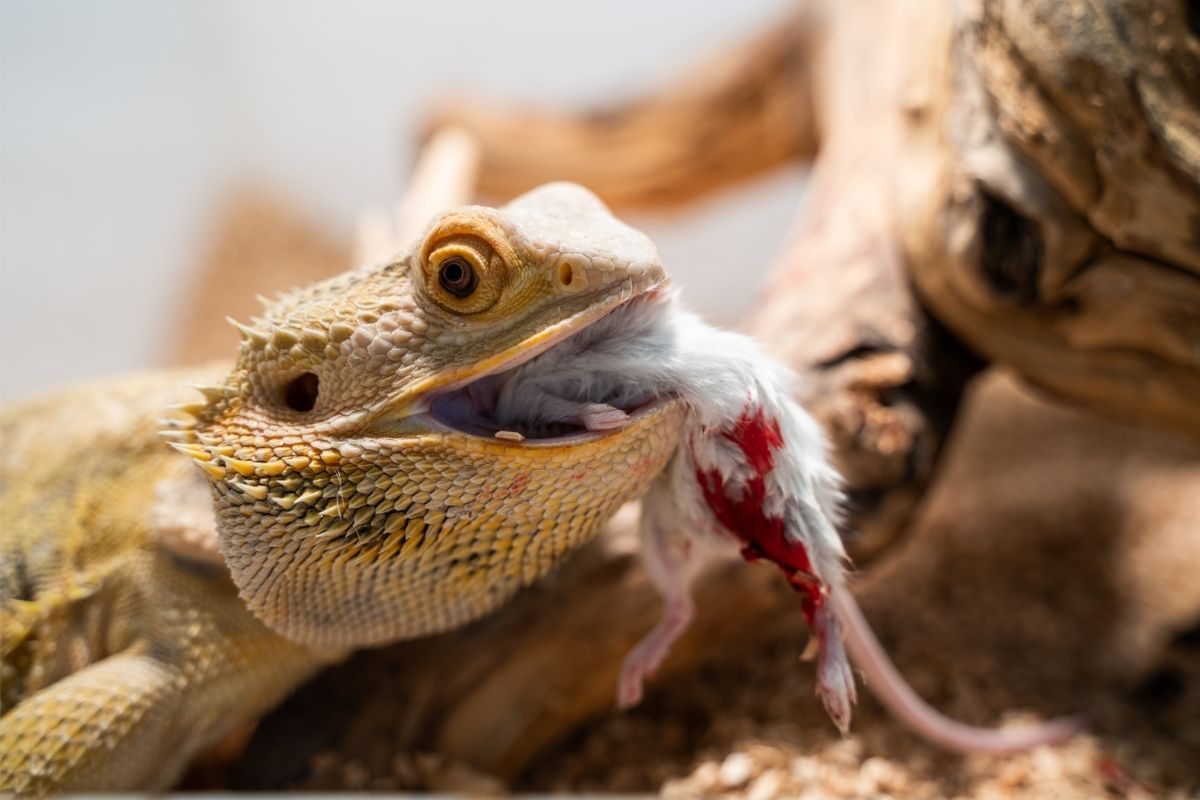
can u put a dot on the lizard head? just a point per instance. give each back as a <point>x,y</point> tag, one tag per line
<point>361,493</point>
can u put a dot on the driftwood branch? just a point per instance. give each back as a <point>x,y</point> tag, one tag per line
<point>260,246</point>
<point>1053,215</point>
<point>746,111</point>
<point>957,152</point>
<point>443,176</point>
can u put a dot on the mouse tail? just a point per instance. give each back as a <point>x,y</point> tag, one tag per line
<point>893,692</point>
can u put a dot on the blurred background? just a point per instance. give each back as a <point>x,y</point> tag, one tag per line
<point>127,127</point>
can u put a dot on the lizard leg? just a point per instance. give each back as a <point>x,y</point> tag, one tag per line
<point>183,519</point>
<point>108,726</point>
<point>198,667</point>
<point>671,569</point>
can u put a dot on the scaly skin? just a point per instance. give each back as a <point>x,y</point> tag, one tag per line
<point>346,514</point>
<point>120,660</point>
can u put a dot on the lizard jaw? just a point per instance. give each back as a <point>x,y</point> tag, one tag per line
<point>466,408</point>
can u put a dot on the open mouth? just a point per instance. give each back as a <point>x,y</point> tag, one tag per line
<point>473,408</point>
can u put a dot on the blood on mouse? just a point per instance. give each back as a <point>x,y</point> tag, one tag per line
<point>752,471</point>
<point>762,537</point>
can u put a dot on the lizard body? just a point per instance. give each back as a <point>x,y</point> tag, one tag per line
<point>120,659</point>
<point>385,460</point>
<point>350,510</point>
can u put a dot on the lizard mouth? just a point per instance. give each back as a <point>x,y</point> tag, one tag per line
<point>471,409</point>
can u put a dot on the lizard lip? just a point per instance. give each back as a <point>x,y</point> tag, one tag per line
<point>465,409</point>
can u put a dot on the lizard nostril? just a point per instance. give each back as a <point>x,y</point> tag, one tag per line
<point>301,392</point>
<point>565,273</point>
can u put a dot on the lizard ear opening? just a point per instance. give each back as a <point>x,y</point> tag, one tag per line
<point>300,394</point>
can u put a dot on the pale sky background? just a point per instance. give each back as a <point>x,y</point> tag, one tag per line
<point>125,125</point>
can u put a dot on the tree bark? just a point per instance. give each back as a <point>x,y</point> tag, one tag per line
<point>1055,222</point>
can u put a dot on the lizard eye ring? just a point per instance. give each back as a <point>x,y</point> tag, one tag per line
<point>463,274</point>
<point>457,276</point>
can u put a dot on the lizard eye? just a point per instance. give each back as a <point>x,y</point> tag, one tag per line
<point>301,392</point>
<point>463,274</point>
<point>457,276</point>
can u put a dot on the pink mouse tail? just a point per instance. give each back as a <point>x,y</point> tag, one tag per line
<point>890,688</point>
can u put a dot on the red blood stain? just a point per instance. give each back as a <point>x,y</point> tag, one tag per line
<point>757,437</point>
<point>762,537</point>
<point>518,484</point>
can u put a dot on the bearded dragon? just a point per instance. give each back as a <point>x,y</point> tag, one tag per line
<point>359,487</point>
